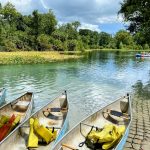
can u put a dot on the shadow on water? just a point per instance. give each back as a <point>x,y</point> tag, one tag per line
<point>142,91</point>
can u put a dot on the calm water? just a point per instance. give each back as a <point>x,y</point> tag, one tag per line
<point>92,82</point>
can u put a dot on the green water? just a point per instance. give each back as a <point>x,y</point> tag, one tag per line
<point>91,83</point>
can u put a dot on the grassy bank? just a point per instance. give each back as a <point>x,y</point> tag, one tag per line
<point>33,57</point>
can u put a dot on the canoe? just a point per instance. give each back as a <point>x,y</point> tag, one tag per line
<point>20,109</point>
<point>53,116</point>
<point>115,114</point>
<point>2,95</point>
<point>142,55</point>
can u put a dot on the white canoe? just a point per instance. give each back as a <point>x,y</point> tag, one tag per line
<point>117,113</point>
<point>2,95</point>
<point>52,115</point>
<point>22,106</point>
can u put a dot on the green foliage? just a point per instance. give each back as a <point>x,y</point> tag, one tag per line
<point>40,32</point>
<point>57,45</point>
<point>90,38</point>
<point>146,46</point>
<point>48,23</point>
<point>120,45</point>
<point>136,12</point>
<point>59,35</point>
<point>104,39</point>
<point>123,37</point>
<point>43,42</point>
<point>72,45</point>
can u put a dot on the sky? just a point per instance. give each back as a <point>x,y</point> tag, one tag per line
<point>97,15</point>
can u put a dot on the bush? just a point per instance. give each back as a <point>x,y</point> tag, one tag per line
<point>43,42</point>
<point>8,45</point>
<point>80,46</point>
<point>120,45</point>
<point>71,45</point>
<point>146,46</point>
<point>57,45</point>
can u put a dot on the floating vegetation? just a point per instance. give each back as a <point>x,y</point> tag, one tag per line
<point>33,57</point>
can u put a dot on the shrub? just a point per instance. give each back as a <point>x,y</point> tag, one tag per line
<point>71,45</point>
<point>43,42</point>
<point>146,46</point>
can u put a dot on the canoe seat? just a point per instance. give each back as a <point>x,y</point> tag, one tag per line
<point>21,106</point>
<point>57,109</point>
<point>49,113</point>
<point>117,115</point>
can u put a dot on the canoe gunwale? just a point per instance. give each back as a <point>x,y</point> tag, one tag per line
<point>16,100</point>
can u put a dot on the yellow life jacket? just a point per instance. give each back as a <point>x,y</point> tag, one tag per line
<point>32,139</point>
<point>109,136</point>
<point>43,132</point>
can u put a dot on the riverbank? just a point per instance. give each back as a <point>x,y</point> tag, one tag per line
<point>34,57</point>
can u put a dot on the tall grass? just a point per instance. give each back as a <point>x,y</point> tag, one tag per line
<point>33,57</point>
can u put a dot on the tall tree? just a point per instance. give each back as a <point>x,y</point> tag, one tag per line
<point>123,38</point>
<point>48,22</point>
<point>9,13</point>
<point>136,12</point>
<point>104,39</point>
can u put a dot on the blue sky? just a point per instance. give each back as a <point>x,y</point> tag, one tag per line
<point>98,15</point>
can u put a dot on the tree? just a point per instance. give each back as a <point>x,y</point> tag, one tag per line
<point>35,27</point>
<point>104,39</point>
<point>48,23</point>
<point>76,25</point>
<point>9,13</point>
<point>124,38</point>
<point>89,37</point>
<point>136,12</point>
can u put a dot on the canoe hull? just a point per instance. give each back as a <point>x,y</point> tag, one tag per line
<point>123,141</point>
<point>19,138</point>
<point>63,131</point>
<point>2,96</point>
<point>77,135</point>
<point>8,110</point>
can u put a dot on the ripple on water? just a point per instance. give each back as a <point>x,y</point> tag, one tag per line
<point>91,83</point>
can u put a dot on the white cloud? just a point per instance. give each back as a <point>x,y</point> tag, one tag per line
<point>92,13</point>
<point>25,6</point>
<point>90,27</point>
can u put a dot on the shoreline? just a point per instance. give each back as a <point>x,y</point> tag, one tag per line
<point>37,57</point>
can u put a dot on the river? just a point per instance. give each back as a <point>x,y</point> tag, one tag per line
<point>91,82</point>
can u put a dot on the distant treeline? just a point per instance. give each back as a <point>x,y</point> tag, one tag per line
<point>41,32</point>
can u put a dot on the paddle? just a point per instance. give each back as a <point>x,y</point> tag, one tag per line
<point>68,146</point>
<point>5,128</point>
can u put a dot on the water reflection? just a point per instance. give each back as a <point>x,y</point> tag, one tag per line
<point>142,91</point>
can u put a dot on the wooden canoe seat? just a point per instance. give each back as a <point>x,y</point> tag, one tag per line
<point>54,113</point>
<point>119,116</point>
<point>57,109</point>
<point>21,106</point>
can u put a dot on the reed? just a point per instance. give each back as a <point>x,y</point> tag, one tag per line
<point>33,57</point>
